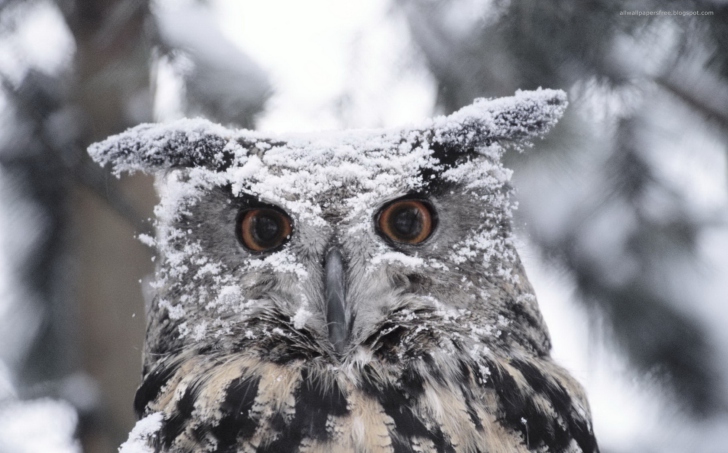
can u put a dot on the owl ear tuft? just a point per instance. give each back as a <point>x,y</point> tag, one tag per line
<point>518,118</point>
<point>200,143</point>
<point>183,143</point>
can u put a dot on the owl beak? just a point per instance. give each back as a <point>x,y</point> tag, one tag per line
<point>335,294</point>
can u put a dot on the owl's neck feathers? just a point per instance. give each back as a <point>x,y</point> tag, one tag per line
<point>406,385</point>
<point>451,400</point>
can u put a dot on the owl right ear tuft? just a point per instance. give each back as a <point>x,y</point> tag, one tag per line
<point>180,144</point>
<point>509,120</point>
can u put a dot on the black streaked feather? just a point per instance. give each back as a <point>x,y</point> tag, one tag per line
<point>236,422</point>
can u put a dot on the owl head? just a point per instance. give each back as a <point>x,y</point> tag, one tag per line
<point>353,251</point>
<point>343,245</point>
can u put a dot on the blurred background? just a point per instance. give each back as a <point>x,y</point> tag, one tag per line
<point>623,218</point>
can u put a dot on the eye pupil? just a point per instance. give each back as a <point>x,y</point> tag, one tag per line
<point>266,228</point>
<point>407,222</point>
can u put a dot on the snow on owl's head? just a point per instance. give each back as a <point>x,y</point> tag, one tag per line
<point>330,244</point>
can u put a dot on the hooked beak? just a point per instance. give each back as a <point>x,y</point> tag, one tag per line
<point>337,314</point>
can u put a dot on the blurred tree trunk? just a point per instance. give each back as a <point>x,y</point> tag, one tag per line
<point>111,90</point>
<point>111,329</point>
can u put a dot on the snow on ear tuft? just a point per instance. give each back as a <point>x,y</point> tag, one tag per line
<point>182,143</point>
<point>487,123</point>
<point>526,115</point>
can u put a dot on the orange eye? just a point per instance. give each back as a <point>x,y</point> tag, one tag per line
<point>406,221</point>
<point>263,229</point>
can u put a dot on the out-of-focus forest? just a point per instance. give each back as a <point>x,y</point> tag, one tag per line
<point>626,202</point>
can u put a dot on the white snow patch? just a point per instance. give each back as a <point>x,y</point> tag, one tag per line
<point>398,257</point>
<point>142,433</point>
<point>147,240</point>
<point>302,315</point>
<point>42,425</point>
<point>283,261</point>
<point>174,311</point>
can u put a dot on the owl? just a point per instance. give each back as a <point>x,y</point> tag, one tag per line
<point>352,291</point>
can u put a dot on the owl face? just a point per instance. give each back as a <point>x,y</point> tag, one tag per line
<point>321,243</point>
<point>335,239</point>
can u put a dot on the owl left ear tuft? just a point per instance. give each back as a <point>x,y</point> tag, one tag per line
<point>183,143</point>
<point>514,119</point>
